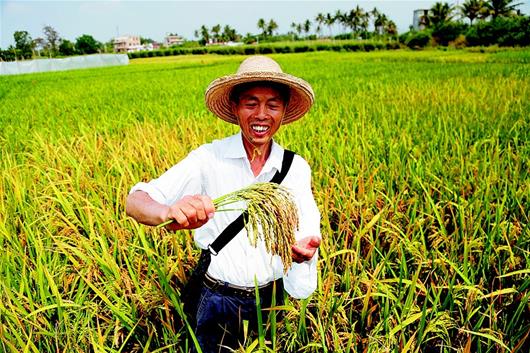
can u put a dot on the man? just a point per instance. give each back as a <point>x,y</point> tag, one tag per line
<point>259,98</point>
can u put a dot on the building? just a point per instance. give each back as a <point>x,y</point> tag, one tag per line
<point>419,19</point>
<point>173,40</point>
<point>127,44</point>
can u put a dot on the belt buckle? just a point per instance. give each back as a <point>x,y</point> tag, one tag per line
<point>248,292</point>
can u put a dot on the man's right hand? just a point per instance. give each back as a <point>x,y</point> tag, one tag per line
<point>190,212</point>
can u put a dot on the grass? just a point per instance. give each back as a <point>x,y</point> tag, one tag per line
<point>420,167</point>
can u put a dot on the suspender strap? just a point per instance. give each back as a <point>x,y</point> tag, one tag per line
<point>288,157</point>
<point>235,227</point>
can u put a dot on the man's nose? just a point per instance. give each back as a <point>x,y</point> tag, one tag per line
<point>262,111</point>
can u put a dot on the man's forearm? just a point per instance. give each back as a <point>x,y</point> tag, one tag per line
<point>144,209</point>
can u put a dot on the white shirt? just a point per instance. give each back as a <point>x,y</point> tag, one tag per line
<point>220,167</point>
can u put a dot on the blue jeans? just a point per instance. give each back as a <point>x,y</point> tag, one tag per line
<point>220,319</point>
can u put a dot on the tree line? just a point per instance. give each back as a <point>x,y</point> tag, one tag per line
<point>361,24</point>
<point>473,23</point>
<point>50,45</point>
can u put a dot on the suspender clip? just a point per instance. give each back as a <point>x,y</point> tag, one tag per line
<point>212,251</point>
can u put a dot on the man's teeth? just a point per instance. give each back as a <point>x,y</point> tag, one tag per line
<point>259,128</point>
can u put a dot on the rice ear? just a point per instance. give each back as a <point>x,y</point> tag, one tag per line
<point>272,217</point>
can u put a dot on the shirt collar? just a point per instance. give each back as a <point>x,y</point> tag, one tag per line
<point>235,149</point>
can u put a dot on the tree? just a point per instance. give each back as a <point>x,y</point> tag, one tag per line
<point>23,44</point>
<point>299,28</point>
<point>472,9</point>
<point>293,27</point>
<point>86,44</point>
<point>390,28</point>
<point>330,20</point>
<point>375,15</point>
<point>364,20</point>
<point>341,18</point>
<point>229,34</point>
<point>39,44</point>
<point>108,46</point>
<point>271,27</point>
<point>216,31</point>
<point>52,39</point>
<point>263,26</point>
<point>151,41</point>
<point>380,22</point>
<point>10,54</point>
<point>307,26</point>
<point>320,19</point>
<point>502,8</point>
<point>356,18</point>
<point>440,13</point>
<point>205,35</point>
<point>66,48</point>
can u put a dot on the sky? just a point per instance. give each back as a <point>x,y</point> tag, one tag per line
<point>106,19</point>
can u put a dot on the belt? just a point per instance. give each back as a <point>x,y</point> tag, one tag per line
<point>241,291</point>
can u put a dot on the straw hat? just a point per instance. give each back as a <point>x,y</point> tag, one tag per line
<point>253,69</point>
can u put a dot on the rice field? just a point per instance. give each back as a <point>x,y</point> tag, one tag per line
<point>420,161</point>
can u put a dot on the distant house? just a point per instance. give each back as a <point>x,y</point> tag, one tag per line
<point>127,44</point>
<point>419,19</point>
<point>173,40</point>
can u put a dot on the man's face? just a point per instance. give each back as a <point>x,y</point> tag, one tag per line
<point>259,111</point>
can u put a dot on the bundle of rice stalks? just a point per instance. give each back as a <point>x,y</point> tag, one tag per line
<point>272,217</point>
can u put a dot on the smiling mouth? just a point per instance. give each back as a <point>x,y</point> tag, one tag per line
<point>259,128</point>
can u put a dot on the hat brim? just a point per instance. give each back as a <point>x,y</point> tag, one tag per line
<point>217,96</point>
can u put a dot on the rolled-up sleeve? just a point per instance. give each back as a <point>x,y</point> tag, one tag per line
<point>184,178</point>
<point>301,279</point>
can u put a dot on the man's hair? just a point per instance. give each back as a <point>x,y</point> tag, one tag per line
<point>281,88</point>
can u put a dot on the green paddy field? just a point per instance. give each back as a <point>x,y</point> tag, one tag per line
<point>421,170</point>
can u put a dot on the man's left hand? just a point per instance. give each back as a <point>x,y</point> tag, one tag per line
<point>305,248</point>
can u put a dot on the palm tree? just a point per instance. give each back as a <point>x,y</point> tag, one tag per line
<point>356,18</point>
<point>320,19</point>
<point>229,34</point>
<point>375,14</point>
<point>205,34</point>
<point>216,30</point>
<point>271,27</point>
<point>364,21</point>
<point>293,27</point>
<point>330,20</point>
<point>440,13</point>
<point>502,8</point>
<point>307,26</point>
<point>390,28</point>
<point>341,18</point>
<point>472,9</point>
<point>299,29</point>
<point>262,25</point>
<point>380,22</point>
